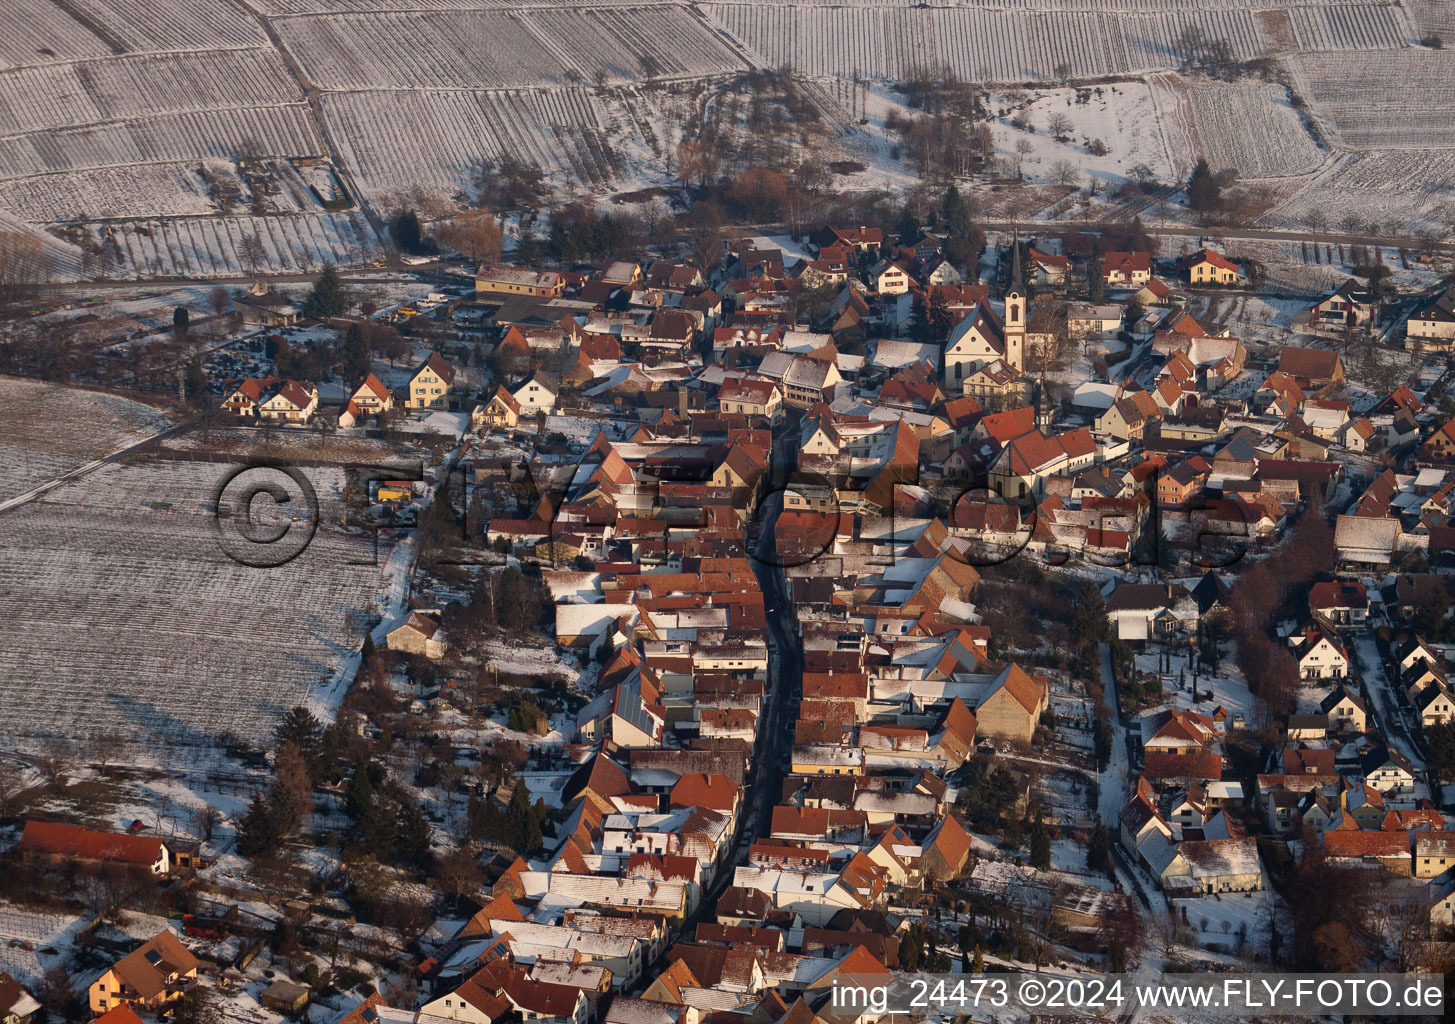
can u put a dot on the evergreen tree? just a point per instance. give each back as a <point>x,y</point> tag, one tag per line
<point>356,355</point>
<point>1095,283</point>
<point>196,382</point>
<point>329,296</point>
<point>1040,845</point>
<point>1088,622</point>
<point>258,833</point>
<point>1204,192</point>
<point>977,963</point>
<point>406,231</point>
<point>300,728</point>
<point>955,214</point>
<point>180,319</point>
<point>1098,852</point>
<point>412,840</point>
<point>524,823</point>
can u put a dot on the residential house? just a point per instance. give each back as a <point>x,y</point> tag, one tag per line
<point>1340,602</point>
<point>1350,305</point>
<point>418,634</point>
<point>1151,611</point>
<point>54,841</point>
<point>1346,711</point>
<point>1048,270</point>
<point>1126,269</point>
<point>243,397</point>
<point>534,395</point>
<point>1207,266</point>
<point>151,977</point>
<point>293,401</point>
<point>1432,324</point>
<point>751,397</point>
<point>1012,706</point>
<point>503,411</point>
<point>1387,771</point>
<point>1087,320</point>
<point>497,279</point>
<point>372,397</point>
<point>1320,655</point>
<point>1313,369</point>
<point>17,1006</point>
<point>430,384</point>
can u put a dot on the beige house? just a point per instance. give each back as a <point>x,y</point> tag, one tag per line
<point>294,401</point>
<point>503,280</point>
<point>751,398</point>
<point>418,635</point>
<point>372,397</point>
<point>1347,712</point>
<point>535,396</point>
<point>1012,707</point>
<point>430,386</point>
<point>1432,326</point>
<point>503,412</point>
<point>888,278</point>
<point>1434,853</point>
<point>1209,267</point>
<point>150,976</point>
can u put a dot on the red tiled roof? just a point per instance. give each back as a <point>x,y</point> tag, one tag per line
<point>61,840</point>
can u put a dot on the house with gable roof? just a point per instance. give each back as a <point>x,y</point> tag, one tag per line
<point>151,977</point>
<point>1012,706</point>
<point>372,397</point>
<point>430,384</point>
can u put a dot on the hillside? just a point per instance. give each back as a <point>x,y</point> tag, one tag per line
<point>227,137</point>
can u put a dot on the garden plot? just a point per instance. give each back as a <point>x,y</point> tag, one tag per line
<point>1402,99</point>
<point>1247,125</point>
<point>1122,115</point>
<point>146,628</point>
<point>47,430</point>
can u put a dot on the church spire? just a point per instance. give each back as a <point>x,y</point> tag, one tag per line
<point>1017,279</point>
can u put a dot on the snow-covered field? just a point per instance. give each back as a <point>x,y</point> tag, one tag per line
<point>47,430</point>
<point>118,586</point>
<point>111,112</point>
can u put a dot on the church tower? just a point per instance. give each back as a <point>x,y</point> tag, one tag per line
<point>1016,299</point>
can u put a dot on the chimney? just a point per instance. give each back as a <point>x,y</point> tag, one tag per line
<point>682,403</point>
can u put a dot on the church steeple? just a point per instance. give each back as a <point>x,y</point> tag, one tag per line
<point>1015,310</point>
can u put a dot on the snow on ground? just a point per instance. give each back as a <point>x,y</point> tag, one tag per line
<point>526,660</point>
<point>47,430</point>
<point>126,571</point>
<point>1225,687</point>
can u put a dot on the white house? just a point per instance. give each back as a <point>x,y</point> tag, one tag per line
<point>534,396</point>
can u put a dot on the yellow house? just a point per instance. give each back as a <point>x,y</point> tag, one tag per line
<point>150,976</point>
<point>430,386</point>
<point>1208,267</point>
<point>823,759</point>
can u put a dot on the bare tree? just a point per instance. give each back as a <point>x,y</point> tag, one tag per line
<point>1023,149</point>
<point>1064,172</point>
<point>56,758</point>
<point>1059,126</point>
<point>251,252</point>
